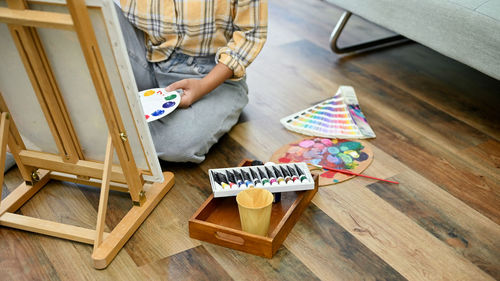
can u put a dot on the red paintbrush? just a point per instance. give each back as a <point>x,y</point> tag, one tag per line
<point>350,173</point>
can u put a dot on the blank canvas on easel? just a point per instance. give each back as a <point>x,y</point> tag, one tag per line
<point>66,58</point>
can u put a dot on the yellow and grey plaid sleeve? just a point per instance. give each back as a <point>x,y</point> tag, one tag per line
<point>250,23</point>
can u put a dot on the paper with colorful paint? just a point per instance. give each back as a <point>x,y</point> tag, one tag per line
<point>157,103</point>
<point>351,155</point>
<point>338,117</point>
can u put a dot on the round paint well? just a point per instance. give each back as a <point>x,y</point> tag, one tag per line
<point>171,97</point>
<point>168,104</point>
<point>158,112</point>
<point>149,93</point>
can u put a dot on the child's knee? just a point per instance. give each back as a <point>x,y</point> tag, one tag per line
<point>183,149</point>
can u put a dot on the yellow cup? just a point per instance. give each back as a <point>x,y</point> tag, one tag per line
<point>254,205</point>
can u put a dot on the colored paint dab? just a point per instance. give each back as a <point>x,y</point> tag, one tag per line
<point>328,174</point>
<point>147,116</point>
<point>306,143</point>
<point>333,150</point>
<point>168,104</point>
<point>284,160</point>
<point>171,97</point>
<point>350,145</point>
<point>354,154</point>
<point>347,159</point>
<point>158,112</point>
<point>149,93</point>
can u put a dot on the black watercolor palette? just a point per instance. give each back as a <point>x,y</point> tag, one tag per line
<point>273,177</point>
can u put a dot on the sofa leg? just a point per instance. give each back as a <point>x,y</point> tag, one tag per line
<point>342,50</point>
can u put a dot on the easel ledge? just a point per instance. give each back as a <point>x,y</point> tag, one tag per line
<point>38,168</point>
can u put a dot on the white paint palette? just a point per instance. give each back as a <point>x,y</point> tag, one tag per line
<point>158,103</point>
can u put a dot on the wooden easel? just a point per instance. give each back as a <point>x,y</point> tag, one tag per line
<point>37,168</point>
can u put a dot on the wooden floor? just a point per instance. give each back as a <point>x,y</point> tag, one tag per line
<point>438,130</point>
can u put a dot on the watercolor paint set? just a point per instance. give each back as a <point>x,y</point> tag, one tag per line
<point>338,117</point>
<point>273,177</point>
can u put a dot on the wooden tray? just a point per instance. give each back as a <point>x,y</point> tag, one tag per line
<point>217,221</point>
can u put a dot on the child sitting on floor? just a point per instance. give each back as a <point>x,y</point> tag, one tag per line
<point>203,48</point>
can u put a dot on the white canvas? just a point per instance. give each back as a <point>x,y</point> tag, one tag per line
<point>75,83</point>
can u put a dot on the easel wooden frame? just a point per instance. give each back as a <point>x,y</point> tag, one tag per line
<point>37,168</point>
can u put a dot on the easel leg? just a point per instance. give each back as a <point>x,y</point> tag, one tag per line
<point>110,247</point>
<point>4,130</point>
<point>105,250</point>
<point>103,200</point>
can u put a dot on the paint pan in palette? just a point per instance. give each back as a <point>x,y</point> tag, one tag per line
<point>273,177</point>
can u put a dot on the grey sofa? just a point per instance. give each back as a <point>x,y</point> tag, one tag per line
<point>465,30</point>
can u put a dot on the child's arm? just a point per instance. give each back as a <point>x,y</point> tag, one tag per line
<point>194,89</point>
<point>248,38</point>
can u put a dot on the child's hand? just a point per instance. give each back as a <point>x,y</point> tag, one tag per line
<point>194,89</point>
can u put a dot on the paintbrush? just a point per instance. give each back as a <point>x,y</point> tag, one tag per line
<point>350,173</point>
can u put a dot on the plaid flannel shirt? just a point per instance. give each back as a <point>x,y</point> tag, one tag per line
<point>234,30</point>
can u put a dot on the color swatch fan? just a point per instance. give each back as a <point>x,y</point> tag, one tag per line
<point>338,117</point>
<point>157,103</point>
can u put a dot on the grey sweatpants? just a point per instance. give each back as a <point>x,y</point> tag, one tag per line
<point>185,135</point>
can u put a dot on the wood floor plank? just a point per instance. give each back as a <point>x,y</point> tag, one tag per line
<point>332,253</point>
<point>408,248</point>
<point>267,137</point>
<point>226,153</point>
<point>242,266</point>
<point>22,259</point>
<point>56,196</point>
<point>439,82</point>
<point>487,153</point>
<point>469,233</point>
<point>192,264</point>
<point>21,256</point>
